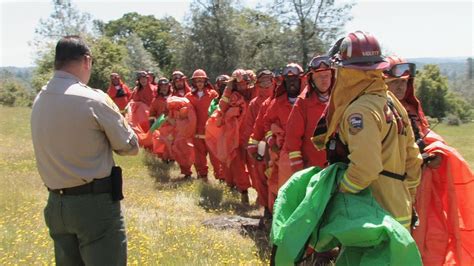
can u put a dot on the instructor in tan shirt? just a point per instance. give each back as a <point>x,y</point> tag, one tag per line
<point>75,129</point>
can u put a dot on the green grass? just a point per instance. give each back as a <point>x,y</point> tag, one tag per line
<point>460,137</point>
<point>163,215</point>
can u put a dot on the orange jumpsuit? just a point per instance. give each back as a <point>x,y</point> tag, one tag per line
<point>201,106</point>
<point>258,132</point>
<point>276,117</point>
<point>183,117</point>
<point>444,199</point>
<point>181,93</point>
<point>256,168</point>
<point>157,108</point>
<point>299,130</point>
<point>121,100</point>
<point>223,137</point>
<point>145,94</point>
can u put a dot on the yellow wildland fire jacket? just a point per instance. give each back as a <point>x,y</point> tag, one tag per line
<point>381,146</point>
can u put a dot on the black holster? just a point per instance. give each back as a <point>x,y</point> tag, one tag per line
<point>117,183</point>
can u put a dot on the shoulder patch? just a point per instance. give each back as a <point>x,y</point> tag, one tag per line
<point>356,123</point>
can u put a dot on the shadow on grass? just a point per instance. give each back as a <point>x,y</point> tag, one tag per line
<point>164,173</point>
<point>261,236</point>
<point>220,199</point>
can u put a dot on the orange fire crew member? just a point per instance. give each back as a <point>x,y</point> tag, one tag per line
<point>182,116</point>
<point>221,82</point>
<point>444,198</point>
<point>201,95</point>
<point>119,92</point>
<point>264,87</point>
<point>275,121</point>
<point>179,84</point>
<point>229,118</point>
<point>158,106</point>
<point>305,114</point>
<point>144,92</point>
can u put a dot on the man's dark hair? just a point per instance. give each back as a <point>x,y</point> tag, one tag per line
<point>70,48</point>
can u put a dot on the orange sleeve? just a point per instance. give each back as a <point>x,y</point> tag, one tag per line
<point>295,130</point>
<point>258,132</point>
<point>112,92</point>
<point>269,118</point>
<point>224,101</point>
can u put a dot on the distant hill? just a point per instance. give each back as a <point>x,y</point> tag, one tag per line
<point>452,67</point>
<point>456,70</point>
<point>21,74</point>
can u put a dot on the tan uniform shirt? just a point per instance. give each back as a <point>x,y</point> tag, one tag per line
<point>75,129</point>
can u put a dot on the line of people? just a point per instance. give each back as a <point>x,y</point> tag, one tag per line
<point>352,106</point>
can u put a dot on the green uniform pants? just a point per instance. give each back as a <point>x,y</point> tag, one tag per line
<point>86,229</point>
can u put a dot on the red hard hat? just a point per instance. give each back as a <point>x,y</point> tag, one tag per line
<point>163,81</point>
<point>199,73</point>
<point>222,78</point>
<point>240,75</point>
<point>360,50</point>
<point>393,60</point>
<point>399,68</point>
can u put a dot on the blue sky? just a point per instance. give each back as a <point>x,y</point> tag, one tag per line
<point>408,28</point>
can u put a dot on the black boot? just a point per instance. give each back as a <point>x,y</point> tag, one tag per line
<point>244,198</point>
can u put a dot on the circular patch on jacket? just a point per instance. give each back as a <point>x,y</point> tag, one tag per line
<point>356,123</point>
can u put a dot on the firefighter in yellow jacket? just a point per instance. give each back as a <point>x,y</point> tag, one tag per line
<point>367,127</point>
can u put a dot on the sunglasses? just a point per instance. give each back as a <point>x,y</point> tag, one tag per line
<point>400,70</point>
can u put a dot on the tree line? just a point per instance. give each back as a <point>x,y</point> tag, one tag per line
<point>218,36</point>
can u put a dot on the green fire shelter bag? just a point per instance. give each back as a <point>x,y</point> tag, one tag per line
<point>310,210</point>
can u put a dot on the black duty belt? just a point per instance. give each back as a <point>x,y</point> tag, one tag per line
<point>97,186</point>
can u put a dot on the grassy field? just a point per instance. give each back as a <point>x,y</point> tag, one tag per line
<point>164,217</point>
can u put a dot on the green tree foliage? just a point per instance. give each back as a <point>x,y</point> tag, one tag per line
<point>212,39</point>
<point>138,57</point>
<point>14,93</point>
<point>436,100</point>
<point>260,40</point>
<point>159,36</point>
<point>108,58</point>
<point>316,23</point>
<point>44,68</point>
<point>66,19</point>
